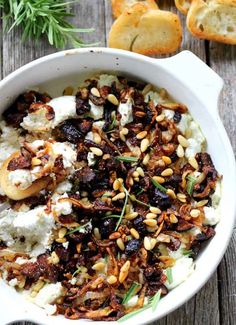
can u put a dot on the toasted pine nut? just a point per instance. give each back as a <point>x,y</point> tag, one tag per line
<point>135,174</point>
<point>112,279</point>
<point>131,216</point>
<point>140,171</point>
<point>144,144</point>
<point>153,242</point>
<point>166,160</point>
<point>122,137</point>
<point>150,222</point>
<point>167,172</point>
<point>193,162</point>
<point>125,131</point>
<point>171,193</point>
<point>21,284</point>
<point>173,218</point>
<point>120,244</point>
<point>183,141</point>
<point>124,271</point>
<point>134,233</point>
<point>35,161</point>
<point>159,179</point>
<point>96,137</point>
<point>61,240</point>
<point>163,238</point>
<point>95,92</point>
<point>181,197</point>
<point>38,285</point>
<point>112,99</point>
<point>96,151</point>
<point>119,196</point>
<point>98,266</point>
<point>146,159</point>
<point>106,156</point>
<point>155,210</point>
<point>33,294</point>
<point>62,232</point>
<point>136,179</point>
<point>194,213</point>
<point>141,135</point>
<point>115,235</point>
<point>201,203</point>
<point>201,178</point>
<point>151,215</point>
<point>147,243</point>
<point>96,233</point>
<point>120,180</point>
<point>116,185</point>
<point>131,181</point>
<point>160,117</point>
<point>54,258</point>
<point>180,151</point>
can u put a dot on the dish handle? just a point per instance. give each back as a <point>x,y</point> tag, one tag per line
<point>199,78</point>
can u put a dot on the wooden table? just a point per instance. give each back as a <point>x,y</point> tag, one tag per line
<point>215,304</point>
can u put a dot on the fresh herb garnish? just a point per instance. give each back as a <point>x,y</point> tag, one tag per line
<point>43,17</point>
<point>82,227</point>
<point>187,252</point>
<point>155,300</point>
<point>159,186</point>
<point>190,184</point>
<point>126,159</point>
<point>133,198</point>
<point>169,275</point>
<point>77,271</point>
<point>123,209</point>
<point>140,191</point>
<point>113,124</point>
<point>112,216</point>
<point>131,292</point>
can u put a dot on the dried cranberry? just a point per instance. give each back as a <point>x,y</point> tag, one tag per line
<point>132,247</point>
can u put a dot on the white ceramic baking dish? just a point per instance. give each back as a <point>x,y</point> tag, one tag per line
<point>189,81</point>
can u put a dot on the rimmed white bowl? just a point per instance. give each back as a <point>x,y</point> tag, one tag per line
<point>189,81</point>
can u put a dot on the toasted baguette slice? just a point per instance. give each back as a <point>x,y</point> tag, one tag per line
<point>213,20</point>
<point>14,192</point>
<point>183,5</point>
<point>119,6</point>
<point>146,31</point>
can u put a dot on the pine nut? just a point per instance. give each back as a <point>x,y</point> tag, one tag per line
<point>112,99</point>
<point>167,172</point>
<point>193,162</point>
<point>135,174</point>
<point>119,196</point>
<point>21,284</point>
<point>96,151</point>
<point>201,178</point>
<point>62,232</point>
<point>98,266</point>
<point>96,233</point>
<point>171,193</point>
<point>124,271</point>
<point>115,235</point>
<point>146,89</point>
<point>38,285</point>
<point>131,181</point>
<point>141,135</point>
<point>151,215</point>
<point>61,240</point>
<point>155,210</point>
<point>194,213</point>
<point>163,238</point>
<point>144,145</point>
<point>147,243</point>
<point>183,141</point>
<point>106,156</point>
<point>35,161</point>
<point>181,197</point>
<point>136,179</point>
<point>153,242</point>
<point>131,216</point>
<point>166,160</point>
<point>146,159</point>
<point>120,180</point>
<point>54,258</point>
<point>180,151</point>
<point>94,91</point>
<point>159,179</point>
<point>96,137</point>
<point>160,117</point>
<point>140,171</point>
<point>120,244</point>
<point>150,222</point>
<point>68,91</point>
<point>201,203</point>
<point>116,185</point>
<point>112,279</point>
<point>134,233</point>
<point>173,218</point>
<point>122,137</point>
<point>33,294</point>
<point>125,131</point>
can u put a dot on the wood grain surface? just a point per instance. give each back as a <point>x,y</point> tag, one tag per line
<point>215,304</point>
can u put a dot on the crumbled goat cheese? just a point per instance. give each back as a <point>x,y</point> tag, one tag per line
<point>65,245</point>
<point>125,109</point>
<point>63,187</point>
<point>21,260</point>
<point>48,294</point>
<point>89,136</point>
<point>13,282</point>
<point>96,112</point>
<point>194,231</point>
<point>67,151</point>
<point>21,178</point>
<point>61,207</point>
<point>178,253</point>
<point>99,124</point>
<point>193,148</point>
<point>34,226</point>
<point>36,145</point>
<point>182,269</point>
<point>183,125</point>
<point>107,80</point>
<point>91,158</point>
<point>215,197</point>
<point>168,113</point>
<point>154,96</point>
<point>212,216</point>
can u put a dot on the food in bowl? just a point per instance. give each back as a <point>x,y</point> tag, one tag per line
<point>107,197</point>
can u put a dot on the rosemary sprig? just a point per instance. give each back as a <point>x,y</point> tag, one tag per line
<point>159,186</point>
<point>134,199</point>
<point>155,300</point>
<point>187,252</point>
<point>112,216</point>
<point>123,209</point>
<point>126,159</point>
<point>131,292</point>
<point>82,227</point>
<point>43,17</point>
<point>77,271</point>
<point>190,184</point>
<point>169,275</point>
